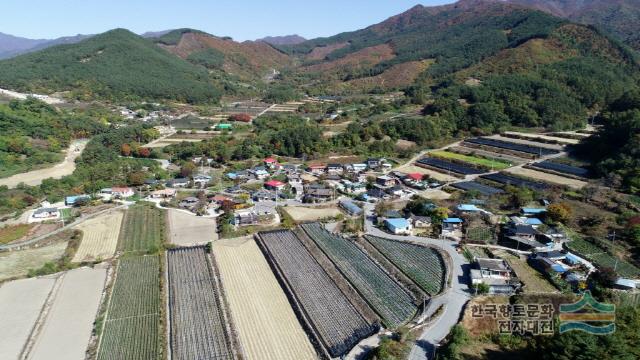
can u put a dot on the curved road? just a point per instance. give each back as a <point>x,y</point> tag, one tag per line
<point>453,299</point>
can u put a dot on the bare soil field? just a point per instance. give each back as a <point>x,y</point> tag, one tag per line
<point>299,213</point>
<point>186,229</point>
<point>410,168</point>
<point>99,237</point>
<point>20,304</point>
<point>435,194</point>
<point>266,324</point>
<point>34,178</point>
<point>68,324</point>
<point>549,178</point>
<point>18,263</point>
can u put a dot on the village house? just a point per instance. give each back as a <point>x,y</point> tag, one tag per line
<point>271,163</point>
<point>385,181</point>
<point>163,193</point>
<point>178,183</point>
<point>317,193</point>
<point>244,218</point>
<point>356,168</point>
<point>317,169</point>
<point>398,226</point>
<point>496,274</point>
<point>189,202</point>
<point>350,207</point>
<point>452,227</point>
<point>294,179</point>
<point>525,236</point>
<point>262,195</point>
<point>378,193</point>
<point>535,212</point>
<point>335,169</point>
<point>76,199</point>
<point>202,179</point>
<point>260,173</point>
<point>47,213</point>
<point>374,163</point>
<point>420,222</point>
<point>274,185</point>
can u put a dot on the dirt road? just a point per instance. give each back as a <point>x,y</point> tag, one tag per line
<point>34,178</point>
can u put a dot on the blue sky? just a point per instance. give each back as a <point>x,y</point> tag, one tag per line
<point>240,19</point>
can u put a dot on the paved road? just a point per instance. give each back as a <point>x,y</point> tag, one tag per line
<point>56,231</point>
<point>453,299</point>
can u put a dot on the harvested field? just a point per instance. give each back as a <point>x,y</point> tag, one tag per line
<point>132,319</point>
<point>411,169</point>
<point>188,229</point>
<point>301,213</point>
<point>20,304</point>
<point>68,324</point>
<point>332,319</point>
<point>266,324</point>
<point>434,194</point>
<point>142,229</point>
<point>18,263</point>
<point>99,237</point>
<point>549,178</point>
<point>198,326</point>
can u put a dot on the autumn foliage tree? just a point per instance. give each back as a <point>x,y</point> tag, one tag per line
<point>125,150</point>
<point>559,212</point>
<point>240,117</point>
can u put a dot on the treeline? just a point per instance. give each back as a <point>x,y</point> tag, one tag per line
<point>615,149</point>
<point>33,133</point>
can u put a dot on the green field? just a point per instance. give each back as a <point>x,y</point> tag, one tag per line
<point>131,329</point>
<point>13,233</point>
<point>602,258</point>
<point>143,229</point>
<point>475,160</point>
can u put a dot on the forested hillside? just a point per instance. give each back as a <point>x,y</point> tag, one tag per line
<point>33,134</point>
<point>116,65</point>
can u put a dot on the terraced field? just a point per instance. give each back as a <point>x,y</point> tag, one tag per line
<point>99,237</point>
<point>142,229</point>
<point>602,258</point>
<point>423,265</point>
<point>198,325</point>
<point>267,326</point>
<point>132,319</point>
<point>382,292</point>
<point>488,163</point>
<point>333,320</point>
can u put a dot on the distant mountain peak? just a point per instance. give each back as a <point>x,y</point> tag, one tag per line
<point>283,40</point>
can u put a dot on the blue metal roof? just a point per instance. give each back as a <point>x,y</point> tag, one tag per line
<point>626,283</point>
<point>452,220</point>
<point>397,223</point>
<point>351,207</point>
<point>468,207</point>
<point>533,221</point>
<point>558,268</point>
<point>534,210</point>
<point>572,258</point>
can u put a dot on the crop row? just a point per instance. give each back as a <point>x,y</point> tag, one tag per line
<point>602,258</point>
<point>142,229</point>
<point>515,181</point>
<point>380,290</point>
<point>423,265</point>
<point>500,144</point>
<point>131,326</point>
<point>198,327</point>
<point>471,159</point>
<point>449,166</point>
<point>479,187</point>
<point>326,310</point>
<point>562,168</point>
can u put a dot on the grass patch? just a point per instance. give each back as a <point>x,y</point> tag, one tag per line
<point>12,233</point>
<point>475,160</point>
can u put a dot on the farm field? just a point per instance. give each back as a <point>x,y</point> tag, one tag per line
<point>546,177</point>
<point>423,265</point>
<point>475,160</point>
<point>266,324</point>
<point>506,144</point>
<point>386,297</point>
<point>602,258</point>
<point>20,304</point>
<point>562,168</point>
<point>476,186</point>
<point>142,229</point>
<point>132,318</point>
<point>535,137</point>
<point>15,232</point>
<point>69,322</point>
<point>18,263</point>
<point>198,327</point>
<point>100,237</point>
<point>409,169</point>
<point>505,179</point>
<point>533,280</point>
<point>493,155</point>
<point>527,142</point>
<point>334,320</point>
<point>186,229</point>
<point>301,213</point>
<point>448,166</point>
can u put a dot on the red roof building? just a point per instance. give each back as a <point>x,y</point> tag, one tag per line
<point>270,160</point>
<point>274,184</point>
<point>415,176</point>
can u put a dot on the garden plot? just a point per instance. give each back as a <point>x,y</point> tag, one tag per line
<point>18,263</point>
<point>198,326</point>
<point>266,324</point>
<point>142,229</point>
<point>187,229</point>
<point>410,169</point>
<point>301,213</point>
<point>99,237</point>
<point>131,325</point>
<point>20,304</point>
<point>68,324</point>
<point>533,280</point>
<point>547,177</point>
<point>494,155</point>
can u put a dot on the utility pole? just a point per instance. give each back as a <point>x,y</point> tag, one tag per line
<point>613,249</point>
